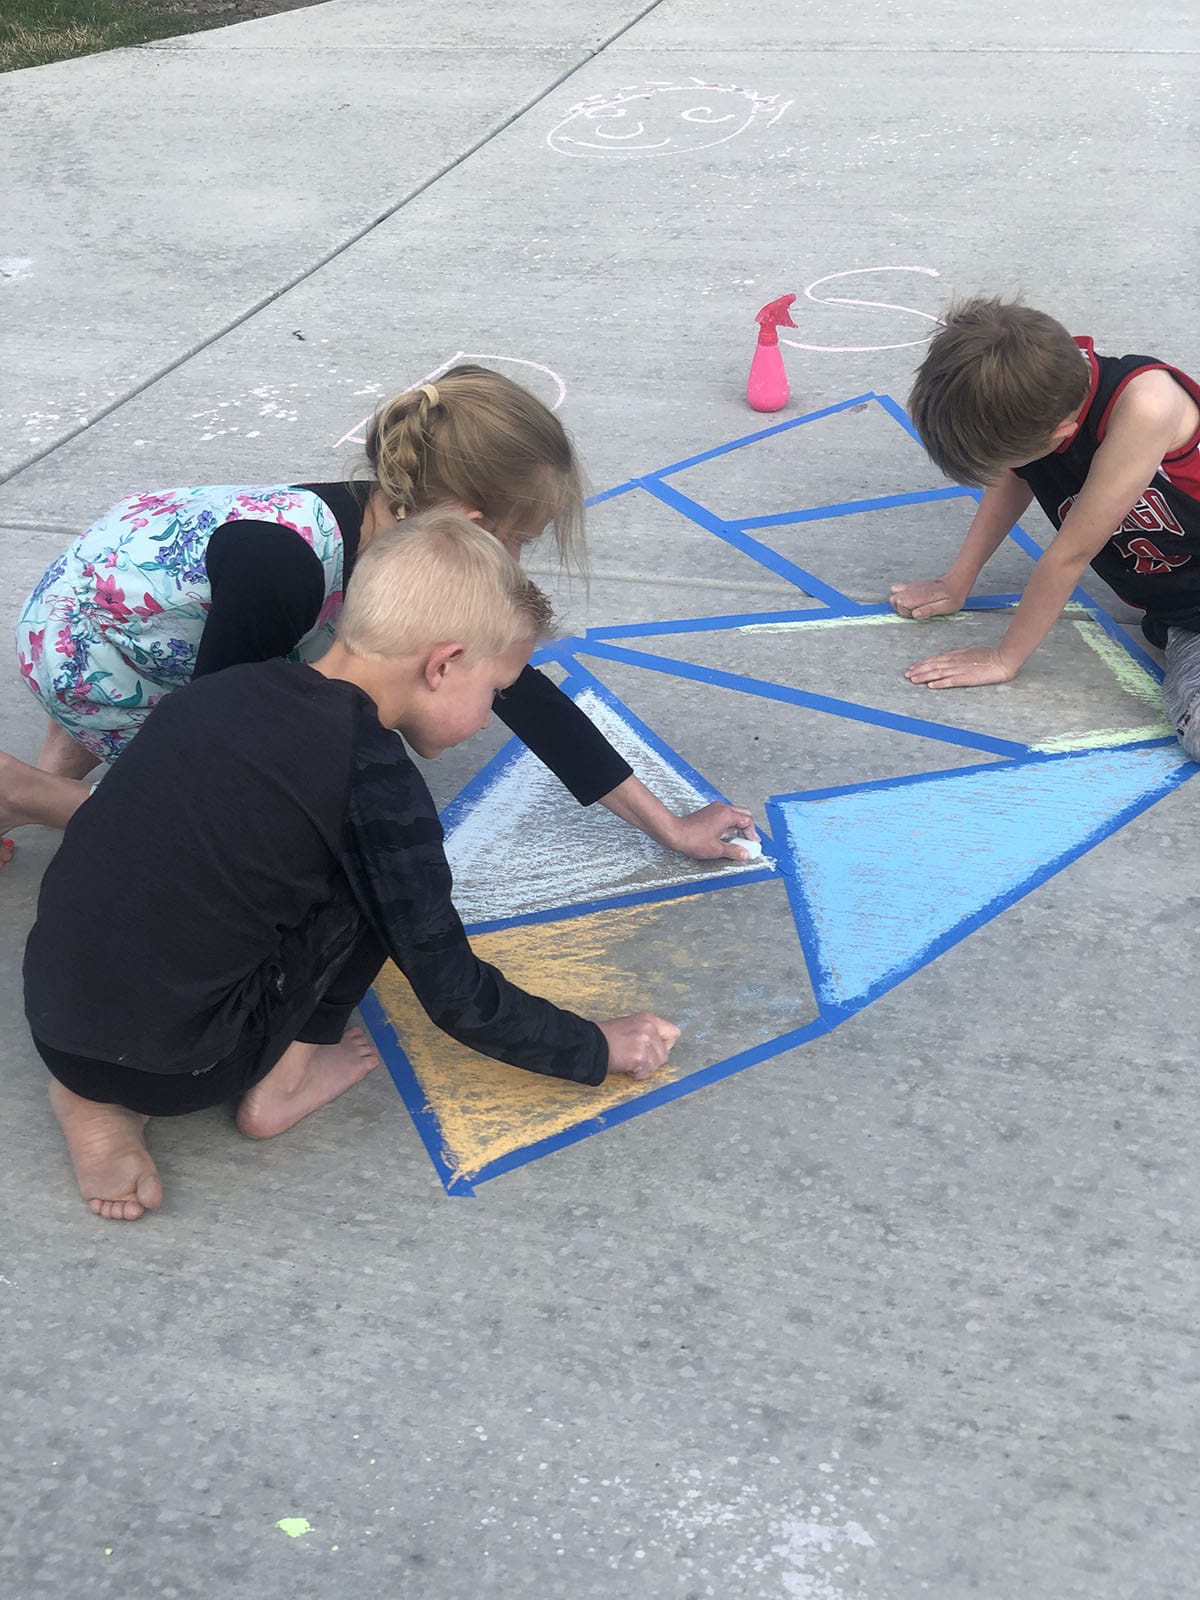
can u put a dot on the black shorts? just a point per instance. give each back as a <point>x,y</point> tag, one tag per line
<point>161,1094</point>
<point>333,963</point>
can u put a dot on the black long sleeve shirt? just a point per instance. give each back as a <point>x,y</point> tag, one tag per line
<point>249,800</point>
<point>268,589</point>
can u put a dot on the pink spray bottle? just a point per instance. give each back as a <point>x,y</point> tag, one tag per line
<point>767,387</point>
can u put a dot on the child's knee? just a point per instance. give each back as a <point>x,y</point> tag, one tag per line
<point>1187,728</point>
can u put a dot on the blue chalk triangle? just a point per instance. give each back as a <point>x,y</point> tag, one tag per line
<point>885,878</point>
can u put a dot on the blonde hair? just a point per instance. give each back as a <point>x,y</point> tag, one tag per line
<point>998,379</point>
<point>488,444</point>
<point>438,578</point>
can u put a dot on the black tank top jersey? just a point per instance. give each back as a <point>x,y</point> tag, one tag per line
<point>1153,559</point>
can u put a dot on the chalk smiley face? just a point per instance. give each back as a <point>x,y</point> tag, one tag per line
<point>658,119</point>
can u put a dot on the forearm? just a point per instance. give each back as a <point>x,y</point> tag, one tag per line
<point>1003,504</point>
<point>635,804</point>
<point>1047,592</point>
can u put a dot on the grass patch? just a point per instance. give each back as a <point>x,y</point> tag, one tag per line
<point>33,32</point>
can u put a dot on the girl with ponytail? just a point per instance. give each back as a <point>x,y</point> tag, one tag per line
<point>180,583</point>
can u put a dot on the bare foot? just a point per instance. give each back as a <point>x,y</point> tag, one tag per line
<point>305,1078</point>
<point>6,851</point>
<point>116,1173</point>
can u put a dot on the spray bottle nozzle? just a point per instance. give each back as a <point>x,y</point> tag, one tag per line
<point>775,316</point>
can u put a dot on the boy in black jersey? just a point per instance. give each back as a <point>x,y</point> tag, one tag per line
<point>224,900</point>
<point>1110,446</point>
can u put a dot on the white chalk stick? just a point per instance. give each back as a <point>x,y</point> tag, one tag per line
<point>752,847</point>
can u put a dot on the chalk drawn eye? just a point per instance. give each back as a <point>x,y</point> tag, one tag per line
<point>704,114</point>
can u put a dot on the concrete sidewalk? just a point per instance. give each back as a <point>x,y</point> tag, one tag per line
<point>904,1306</point>
<point>156,197</point>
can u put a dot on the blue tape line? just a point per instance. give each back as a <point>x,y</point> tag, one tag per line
<point>850,508</point>
<point>742,619</point>
<point>802,697</point>
<point>1026,541</point>
<point>586,679</point>
<point>752,619</point>
<point>765,433</point>
<point>424,1118</point>
<point>1029,758</point>
<point>656,1097</point>
<point>484,779</point>
<point>611,494</point>
<point>753,548</point>
<point>898,414</point>
<point>635,897</point>
<point>802,918</point>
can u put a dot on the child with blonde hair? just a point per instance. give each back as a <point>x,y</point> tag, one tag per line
<point>274,844</point>
<point>1007,400</point>
<point>175,585</point>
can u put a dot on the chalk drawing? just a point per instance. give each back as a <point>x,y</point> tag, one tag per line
<point>517,842</point>
<point>886,876</point>
<point>875,305</point>
<point>865,884</point>
<point>800,1548</point>
<point>13,267</point>
<point>662,118</point>
<point>358,435</point>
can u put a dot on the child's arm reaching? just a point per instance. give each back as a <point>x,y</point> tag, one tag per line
<point>1141,430</point>
<point>564,737</point>
<point>1003,503</point>
<point>391,851</point>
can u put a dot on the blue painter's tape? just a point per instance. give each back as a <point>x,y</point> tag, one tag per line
<point>656,1097</point>
<point>611,494</point>
<point>584,679</point>
<point>743,619</point>
<point>801,697</point>
<point>754,873</point>
<point>483,780</point>
<point>424,1118</point>
<point>1026,541</point>
<point>753,548</point>
<point>765,433</point>
<point>898,414</point>
<point>849,508</point>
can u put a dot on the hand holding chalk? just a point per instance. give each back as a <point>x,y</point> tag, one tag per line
<point>752,847</point>
<point>712,833</point>
<point>638,1045</point>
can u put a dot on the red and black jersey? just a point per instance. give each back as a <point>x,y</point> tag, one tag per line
<point>1153,559</point>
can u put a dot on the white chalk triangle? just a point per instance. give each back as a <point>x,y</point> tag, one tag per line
<point>518,843</point>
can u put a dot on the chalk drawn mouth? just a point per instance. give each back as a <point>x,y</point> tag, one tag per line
<point>694,109</point>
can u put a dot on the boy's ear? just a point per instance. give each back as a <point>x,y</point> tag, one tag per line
<point>1065,429</point>
<point>438,661</point>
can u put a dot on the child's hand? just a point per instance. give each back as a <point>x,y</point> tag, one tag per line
<point>937,597</point>
<point>961,669</point>
<point>701,835</point>
<point>638,1045</point>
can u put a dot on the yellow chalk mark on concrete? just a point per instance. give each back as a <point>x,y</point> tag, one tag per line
<point>294,1527</point>
<point>588,964</point>
<point>878,620</point>
<point>1099,739</point>
<point>1130,674</point>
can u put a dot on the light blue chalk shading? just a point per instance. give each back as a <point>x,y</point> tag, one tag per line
<point>884,879</point>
